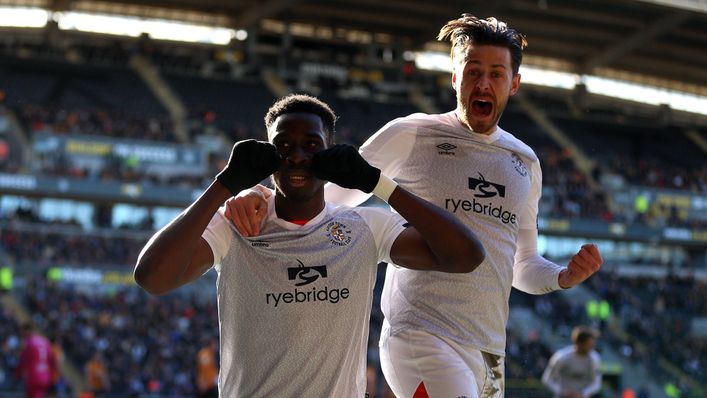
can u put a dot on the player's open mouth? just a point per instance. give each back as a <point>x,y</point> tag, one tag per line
<point>296,180</point>
<point>481,108</point>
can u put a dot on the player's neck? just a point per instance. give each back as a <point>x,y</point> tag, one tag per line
<point>294,209</point>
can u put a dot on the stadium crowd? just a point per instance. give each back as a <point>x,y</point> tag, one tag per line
<point>149,344</point>
<point>660,311</point>
<point>101,121</point>
<point>152,342</point>
<point>59,248</point>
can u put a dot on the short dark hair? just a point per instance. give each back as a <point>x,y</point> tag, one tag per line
<point>296,103</point>
<point>470,30</point>
<point>580,334</point>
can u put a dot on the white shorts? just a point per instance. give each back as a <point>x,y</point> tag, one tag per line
<point>417,364</point>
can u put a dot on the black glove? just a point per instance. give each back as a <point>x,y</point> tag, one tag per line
<point>250,162</point>
<point>344,166</point>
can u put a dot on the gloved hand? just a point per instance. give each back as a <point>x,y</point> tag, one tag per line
<point>344,166</point>
<point>251,161</point>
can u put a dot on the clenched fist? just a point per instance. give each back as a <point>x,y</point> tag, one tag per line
<point>344,166</point>
<point>251,161</point>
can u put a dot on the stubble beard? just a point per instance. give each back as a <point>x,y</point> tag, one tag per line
<point>466,119</point>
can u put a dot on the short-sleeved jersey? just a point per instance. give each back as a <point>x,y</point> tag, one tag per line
<point>294,303</point>
<point>568,371</point>
<point>492,184</point>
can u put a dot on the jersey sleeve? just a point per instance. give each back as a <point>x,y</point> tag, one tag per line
<point>387,149</point>
<point>549,377</point>
<point>529,214</point>
<point>344,196</point>
<point>390,147</point>
<point>218,234</point>
<point>385,226</point>
<point>532,273</point>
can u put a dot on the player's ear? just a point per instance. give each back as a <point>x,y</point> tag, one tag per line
<point>515,84</point>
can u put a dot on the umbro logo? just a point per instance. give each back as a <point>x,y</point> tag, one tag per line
<point>306,275</point>
<point>446,149</point>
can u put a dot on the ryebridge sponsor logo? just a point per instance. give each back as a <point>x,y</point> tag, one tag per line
<point>483,189</point>
<point>305,275</point>
<point>486,189</point>
<point>478,207</point>
<point>296,296</point>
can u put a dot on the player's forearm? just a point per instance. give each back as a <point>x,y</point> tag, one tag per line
<point>454,245</point>
<point>532,273</point>
<point>164,260</point>
<point>536,275</point>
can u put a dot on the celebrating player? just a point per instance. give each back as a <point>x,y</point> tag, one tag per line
<point>294,303</point>
<point>444,335</point>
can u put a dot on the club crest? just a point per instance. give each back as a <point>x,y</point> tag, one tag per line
<point>338,233</point>
<point>519,165</point>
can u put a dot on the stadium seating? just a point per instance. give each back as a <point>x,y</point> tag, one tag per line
<point>151,342</point>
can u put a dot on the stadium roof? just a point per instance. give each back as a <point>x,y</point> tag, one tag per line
<point>642,37</point>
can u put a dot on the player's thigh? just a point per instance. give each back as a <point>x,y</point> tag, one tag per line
<point>412,358</point>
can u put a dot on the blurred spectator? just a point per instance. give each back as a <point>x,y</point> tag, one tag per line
<point>207,370</point>
<point>573,371</point>
<point>97,380</point>
<point>37,363</point>
<point>58,385</point>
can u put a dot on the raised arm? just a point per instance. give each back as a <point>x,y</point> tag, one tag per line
<point>387,149</point>
<point>177,254</point>
<point>534,274</point>
<point>437,240</point>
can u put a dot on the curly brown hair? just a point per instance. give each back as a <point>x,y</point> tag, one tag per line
<point>469,30</point>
